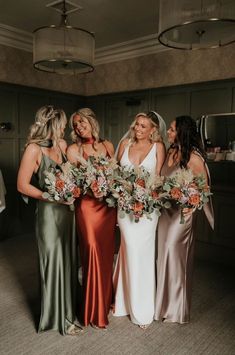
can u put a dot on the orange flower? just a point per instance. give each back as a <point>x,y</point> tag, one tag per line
<point>94,186</point>
<point>194,200</point>
<point>76,192</point>
<point>140,182</point>
<point>59,184</point>
<point>175,193</point>
<point>155,194</point>
<point>138,206</point>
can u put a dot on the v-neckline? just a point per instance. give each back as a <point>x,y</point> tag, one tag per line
<point>54,161</point>
<point>173,164</point>
<point>144,157</point>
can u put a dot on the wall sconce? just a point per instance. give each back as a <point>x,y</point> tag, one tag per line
<point>5,126</point>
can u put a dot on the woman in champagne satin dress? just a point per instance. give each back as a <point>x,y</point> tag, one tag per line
<point>95,225</point>
<point>134,276</point>
<point>55,225</point>
<point>176,241</point>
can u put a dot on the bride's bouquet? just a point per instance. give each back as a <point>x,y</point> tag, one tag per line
<point>136,192</point>
<point>95,174</point>
<point>187,190</point>
<point>61,184</point>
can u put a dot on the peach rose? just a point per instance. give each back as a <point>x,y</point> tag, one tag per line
<point>140,182</point>
<point>76,192</point>
<point>138,206</point>
<point>175,193</point>
<point>59,184</point>
<point>194,200</point>
<point>94,186</point>
<point>155,194</point>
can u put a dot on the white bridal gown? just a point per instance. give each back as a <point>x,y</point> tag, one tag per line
<point>134,275</point>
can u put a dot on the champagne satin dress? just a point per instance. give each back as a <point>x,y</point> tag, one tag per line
<point>175,259</point>
<point>57,246</point>
<point>96,227</point>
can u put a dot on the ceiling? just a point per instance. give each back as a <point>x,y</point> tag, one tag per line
<point>112,21</point>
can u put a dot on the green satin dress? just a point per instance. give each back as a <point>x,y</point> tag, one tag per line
<point>57,245</point>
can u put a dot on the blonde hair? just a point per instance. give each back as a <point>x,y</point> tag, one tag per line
<point>49,124</point>
<point>155,136</point>
<point>87,115</point>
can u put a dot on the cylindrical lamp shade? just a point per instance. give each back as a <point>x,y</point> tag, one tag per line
<point>63,50</point>
<point>196,24</point>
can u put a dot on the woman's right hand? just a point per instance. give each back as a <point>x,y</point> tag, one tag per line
<point>98,195</point>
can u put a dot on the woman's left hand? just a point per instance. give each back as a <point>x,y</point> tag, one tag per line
<point>188,211</point>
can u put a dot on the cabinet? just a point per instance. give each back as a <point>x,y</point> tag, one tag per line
<point>219,244</point>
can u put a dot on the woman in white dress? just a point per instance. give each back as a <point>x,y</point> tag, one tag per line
<point>134,275</point>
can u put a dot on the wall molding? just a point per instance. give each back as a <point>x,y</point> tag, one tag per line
<point>13,37</point>
<point>129,49</point>
<point>23,40</point>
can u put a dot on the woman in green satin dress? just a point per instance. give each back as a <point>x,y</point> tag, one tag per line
<point>55,229</point>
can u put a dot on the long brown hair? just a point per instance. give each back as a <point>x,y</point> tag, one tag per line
<point>188,138</point>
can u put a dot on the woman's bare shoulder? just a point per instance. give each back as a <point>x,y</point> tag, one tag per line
<point>108,143</point>
<point>196,163</point>
<point>196,158</point>
<point>33,149</point>
<point>124,142</point>
<point>160,145</point>
<point>72,147</point>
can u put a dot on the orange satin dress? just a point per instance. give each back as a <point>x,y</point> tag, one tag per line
<point>96,232</point>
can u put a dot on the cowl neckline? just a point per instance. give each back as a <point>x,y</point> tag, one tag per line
<point>47,143</point>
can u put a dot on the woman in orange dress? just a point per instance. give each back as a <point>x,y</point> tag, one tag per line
<point>95,225</point>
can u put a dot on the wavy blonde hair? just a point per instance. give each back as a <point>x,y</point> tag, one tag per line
<point>87,115</point>
<point>155,136</point>
<point>49,124</point>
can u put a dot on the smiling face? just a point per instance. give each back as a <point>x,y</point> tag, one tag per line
<point>172,133</point>
<point>82,127</point>
<point>143,128</point>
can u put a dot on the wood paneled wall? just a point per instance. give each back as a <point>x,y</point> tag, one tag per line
<point>118,111</point>
<point>115,112</point>
<point>18,106</point>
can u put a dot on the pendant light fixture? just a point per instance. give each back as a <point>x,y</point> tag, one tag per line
<point>196,24</point>
<point>63,49</point>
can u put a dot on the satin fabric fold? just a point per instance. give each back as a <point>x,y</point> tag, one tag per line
<point>96,225</point>
<point>174,266</point>
<point>176,243</point>
<point>57,246</point>
<point>134,276</point>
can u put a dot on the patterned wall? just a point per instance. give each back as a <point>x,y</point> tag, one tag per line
<point>16,67</point>
<point>167,68</point>
<point>170,67</point>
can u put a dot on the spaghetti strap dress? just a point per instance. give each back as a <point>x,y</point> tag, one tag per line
<point>57,246</point>
<point>95,223</point>
<point>176,244</point>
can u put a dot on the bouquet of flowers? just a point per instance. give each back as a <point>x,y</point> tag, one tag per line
<point>61,183</point>
<point>136,192</point>
<point>187,190</point>
<point>95,174</point>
